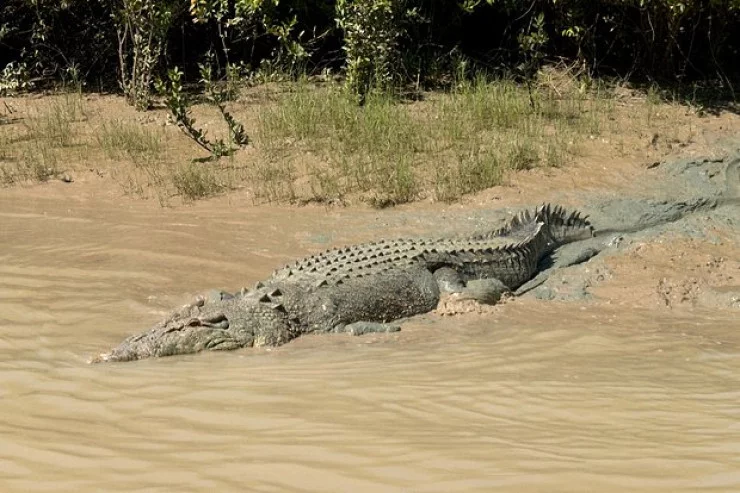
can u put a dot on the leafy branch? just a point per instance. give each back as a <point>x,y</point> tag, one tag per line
<point>179,107</point>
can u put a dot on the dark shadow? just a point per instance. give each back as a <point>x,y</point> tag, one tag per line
<point>711,97</point>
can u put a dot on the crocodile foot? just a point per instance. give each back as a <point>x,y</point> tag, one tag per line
<point>478,296</point>
<point>362,328</point>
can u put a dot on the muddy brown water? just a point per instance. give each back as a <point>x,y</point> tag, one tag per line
<point>535,396</point>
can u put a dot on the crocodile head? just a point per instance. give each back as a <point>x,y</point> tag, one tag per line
<point>224,324</point>
<point>563,226</point>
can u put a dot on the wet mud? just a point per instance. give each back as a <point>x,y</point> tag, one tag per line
<point>690,204</point>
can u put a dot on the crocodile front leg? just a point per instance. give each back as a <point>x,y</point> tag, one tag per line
<point>361,328</point>
<point>487,291</point>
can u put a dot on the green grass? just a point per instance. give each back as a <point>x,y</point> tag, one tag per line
<point>367,148</point>
<point>195,181</point>
<point>153,172</point>
<point>450,145</point>
<point>34,153</point>
<point>39,163</point>
<point>273,180</point>
<point>314,143</point>
<point>54,126</point>
<point>120,140</point>
<point>6,158</point>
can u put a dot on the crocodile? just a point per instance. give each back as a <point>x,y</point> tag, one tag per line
<point>361,288</point>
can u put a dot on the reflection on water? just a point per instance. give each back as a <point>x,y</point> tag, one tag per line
<point>534,397</point>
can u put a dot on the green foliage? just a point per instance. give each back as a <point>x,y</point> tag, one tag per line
<point>532,42</point>
<point>14,78</point>
<point>179,107</point>
<point>48,37</point>
<point>384,43</point>
<point>142,27</point>
<point>370,41</point>
<point>247,20</point>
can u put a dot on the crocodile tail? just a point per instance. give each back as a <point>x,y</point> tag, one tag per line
<point>522,222</point>
<point>564,226</point>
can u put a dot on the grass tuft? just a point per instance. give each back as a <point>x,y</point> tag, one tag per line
<point>139,143</point>
<point>465,140</point>
<point>32,152</point>
<point>55,125</point>
<point>39,163</point>
<point>195,181</point>
<point>314,143</point>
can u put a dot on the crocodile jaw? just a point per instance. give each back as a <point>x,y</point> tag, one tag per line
<point>223,325</point>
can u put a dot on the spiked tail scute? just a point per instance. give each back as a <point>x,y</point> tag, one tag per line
<point>563,226</point>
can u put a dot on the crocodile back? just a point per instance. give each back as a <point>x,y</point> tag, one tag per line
<point>510,253</point>
<point>356,261</point>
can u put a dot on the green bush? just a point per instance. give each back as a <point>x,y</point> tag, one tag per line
<point>370,30</point>
<point>380,43</point>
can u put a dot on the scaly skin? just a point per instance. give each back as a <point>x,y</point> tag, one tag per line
<point>207,325</point>
<point>359,289</point>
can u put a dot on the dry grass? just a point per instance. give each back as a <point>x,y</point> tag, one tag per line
<point>195,181</point>
<point>123,140</point>
<point>313,143</point>
<point>33,151</point>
